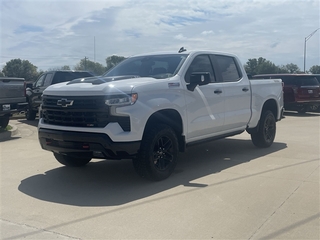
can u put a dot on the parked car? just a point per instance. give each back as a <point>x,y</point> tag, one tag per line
<point>301,91</point>
<point>12,98</point>
<point>34,91</point>
<point>150,107</point>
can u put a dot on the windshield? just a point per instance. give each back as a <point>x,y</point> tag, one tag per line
<point>155,66</point>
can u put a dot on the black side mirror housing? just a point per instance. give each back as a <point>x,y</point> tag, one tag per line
<point>198,78</point>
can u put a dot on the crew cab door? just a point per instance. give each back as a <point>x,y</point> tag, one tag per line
<point>39,86</point>
<point>237,92</point>
<point>205,104</point>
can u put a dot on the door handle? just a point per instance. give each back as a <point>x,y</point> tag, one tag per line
<point>245,89</point>
<point>218,91</point>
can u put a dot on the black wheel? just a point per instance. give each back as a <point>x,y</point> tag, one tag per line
<point>158,153</point>
<point>73,161</point>
<point>4,121</point>
<point>30,113</point>
<point>266,133</point>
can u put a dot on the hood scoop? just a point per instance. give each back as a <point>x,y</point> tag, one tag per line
<point>101,80</point>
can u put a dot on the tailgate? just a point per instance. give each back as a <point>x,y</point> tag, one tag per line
<point>308,88</point>
<point>309,92</point>
<point>12,87</point>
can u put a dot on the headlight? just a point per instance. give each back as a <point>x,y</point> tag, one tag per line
<point>122,100</point>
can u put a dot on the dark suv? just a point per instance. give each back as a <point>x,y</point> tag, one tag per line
<point>35,90</point>
<point>301,91</point>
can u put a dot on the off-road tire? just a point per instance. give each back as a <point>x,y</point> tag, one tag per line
<point>30,113</point>
<point>158,154</point>
<point>72,161</point>
<point>4,121</point>
<point>266,133</point>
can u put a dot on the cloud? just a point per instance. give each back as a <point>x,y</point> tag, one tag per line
<point>205,33</point>
<point>180,37</point>
<point>273,45</point>
<point>97,29</point>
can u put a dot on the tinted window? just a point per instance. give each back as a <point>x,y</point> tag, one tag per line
<point>298,80</point>
<point>228,68</point>
<point>47,80</point>
<point>156,66</point>
<point>200,63</point>
<point>306,81</point>
<point>318,78</point>
<point>40,81</point>
<point>68,76</point>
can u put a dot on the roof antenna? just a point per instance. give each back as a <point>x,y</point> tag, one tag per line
<point>182,50</point>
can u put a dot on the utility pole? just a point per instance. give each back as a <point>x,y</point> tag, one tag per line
<point>94,48</point>
<point>85,63</point>
<point>305,48</point>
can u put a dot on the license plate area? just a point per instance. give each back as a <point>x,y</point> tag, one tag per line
<point>6,107</point>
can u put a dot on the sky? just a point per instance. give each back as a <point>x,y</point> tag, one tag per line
<point>54,33</point>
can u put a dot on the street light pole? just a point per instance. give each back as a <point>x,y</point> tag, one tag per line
<point>305,48</point>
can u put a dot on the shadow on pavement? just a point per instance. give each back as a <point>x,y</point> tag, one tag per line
<point>110,183</point>
<point>33,123</point>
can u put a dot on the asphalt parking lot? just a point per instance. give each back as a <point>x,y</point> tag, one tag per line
<point>227,189</point>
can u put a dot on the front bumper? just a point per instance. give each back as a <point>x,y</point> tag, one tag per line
<point>11,108</point>
<point>99,144</point>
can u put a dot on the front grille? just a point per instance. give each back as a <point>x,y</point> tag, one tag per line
<point>80,112</point>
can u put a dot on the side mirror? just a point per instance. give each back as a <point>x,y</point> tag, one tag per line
<point>198,78</point>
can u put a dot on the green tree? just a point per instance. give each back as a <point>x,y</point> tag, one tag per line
<point>315,69</point>
<point>266,66</point>
<point>65,67</point>
<point>251,66</point>
<point>261,66</point>
<point>113,61</point>
<point>289,68</point>
<point>86,65</point>
<point>1,74</point>
<point>20,68</point>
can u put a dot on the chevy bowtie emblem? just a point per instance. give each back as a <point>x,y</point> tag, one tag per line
<point>64,102</point>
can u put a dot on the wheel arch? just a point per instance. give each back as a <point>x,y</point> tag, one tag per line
<point>173,119</point>
<point>271,105</point>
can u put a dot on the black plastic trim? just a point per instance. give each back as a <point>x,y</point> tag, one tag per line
<point>77,142</point>
<point>214,138</point>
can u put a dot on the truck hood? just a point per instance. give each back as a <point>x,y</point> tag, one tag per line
<point>98,86</point>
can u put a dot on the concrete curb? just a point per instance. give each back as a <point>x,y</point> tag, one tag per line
<point>8,134</point>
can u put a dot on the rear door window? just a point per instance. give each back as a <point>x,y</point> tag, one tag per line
<point>307,81</point>
<point>228,68</point>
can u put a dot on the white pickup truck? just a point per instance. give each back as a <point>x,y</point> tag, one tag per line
<point>150,107</point>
